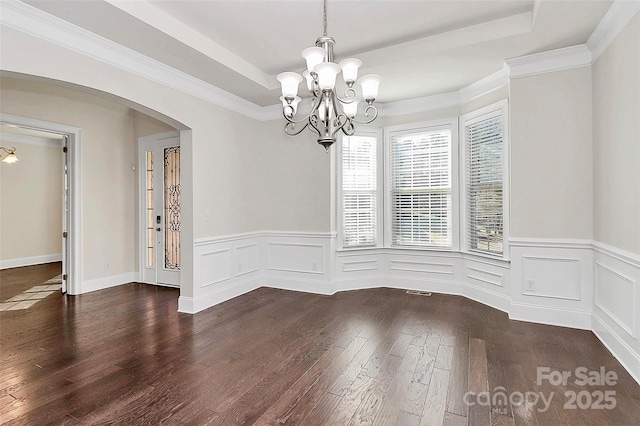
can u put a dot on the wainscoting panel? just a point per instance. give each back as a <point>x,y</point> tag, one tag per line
<point>359,269</point>
<point>551,277</point>
<point>615,296</point>
<point>295,257</point>
<point>225,267</point>
<point>421,266</point>
<point>616,316</point>
<point>215,266</point>
<point>299,261</point>
<point>248,258</point>
<point>552,282</point>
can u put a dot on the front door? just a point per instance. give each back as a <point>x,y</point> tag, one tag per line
<point>160,208</point>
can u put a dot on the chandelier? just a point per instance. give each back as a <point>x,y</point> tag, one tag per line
<point>329,113</point>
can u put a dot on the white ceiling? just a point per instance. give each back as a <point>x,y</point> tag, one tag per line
<point>420,48</point>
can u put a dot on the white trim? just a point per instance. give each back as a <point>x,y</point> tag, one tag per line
<point>186,304</point>
<point>203,241</point>
<point>630,329</point>
<point>563,317</point>
<point>422,104</point>
<point>75,188</point>
<point>178,30</point>
<point>106,282</point>
<point>28,261</point>
<point>192,305</point>
<point>33,21</point>
<point>485,85</point>
<point>620,254</point>
<point>621,351</point>
<point>550,61</point>
<point>617,17</point>
<point>550,243</point>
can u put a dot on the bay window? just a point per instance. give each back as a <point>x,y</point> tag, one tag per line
<point>426,186</point>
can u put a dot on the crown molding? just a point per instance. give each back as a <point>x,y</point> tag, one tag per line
<point>483,86</point>
<point>31,20</point>
<point>422,104</point>
<point>617,17</point>
<point>550,61</point>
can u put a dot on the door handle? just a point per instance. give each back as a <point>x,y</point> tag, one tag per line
<point>158,229</point>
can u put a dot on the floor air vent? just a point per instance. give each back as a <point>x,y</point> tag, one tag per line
<point>418,293</point>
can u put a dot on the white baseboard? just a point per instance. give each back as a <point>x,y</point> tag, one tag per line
<point>629,359</point>
<point>302,285</point>
<point>29,261</point>
<point>486,297</point>
<point>191,305</point>
<point>106,282</point>
<point>561,317</point>
<point>185,305</point>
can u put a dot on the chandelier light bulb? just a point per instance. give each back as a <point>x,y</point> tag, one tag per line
<point>327,72</point>
<point>350,69</point>
<point>293,105</point>
<point>313,56</point>
<point>350,108</point>
<point>289,82</point>
<point>370,84</point>
<point>309,78</point>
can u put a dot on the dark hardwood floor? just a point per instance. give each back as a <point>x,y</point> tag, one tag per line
<point>125,356</point>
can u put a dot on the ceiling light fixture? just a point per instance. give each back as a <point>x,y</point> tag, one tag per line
<point>11,156</point>
<point>329,113</point>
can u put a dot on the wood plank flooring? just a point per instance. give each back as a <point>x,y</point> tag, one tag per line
<point>125,356</point>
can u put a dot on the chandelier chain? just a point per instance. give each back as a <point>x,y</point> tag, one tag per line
<point>325,17</point>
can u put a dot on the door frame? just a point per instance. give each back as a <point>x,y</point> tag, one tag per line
<point>144,142</point>
<point>74,219</point>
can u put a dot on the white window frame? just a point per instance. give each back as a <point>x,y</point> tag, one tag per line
<point>500,108</point>
<point>378,134</point>
<point>451,124</point>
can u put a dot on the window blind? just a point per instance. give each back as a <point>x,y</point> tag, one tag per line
<point>484,184</point>
<point>420,166</point>
<point>359,177</point>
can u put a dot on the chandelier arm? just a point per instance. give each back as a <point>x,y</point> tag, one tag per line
<point>8,150</point>
<point>340,122</point>
<point>366,113</point>
<point>341,118</point>
<point>306,117</point>
<point>348,129</point>
<point>313,123</point>
<point>290,128</point>
<point>348,98</point>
